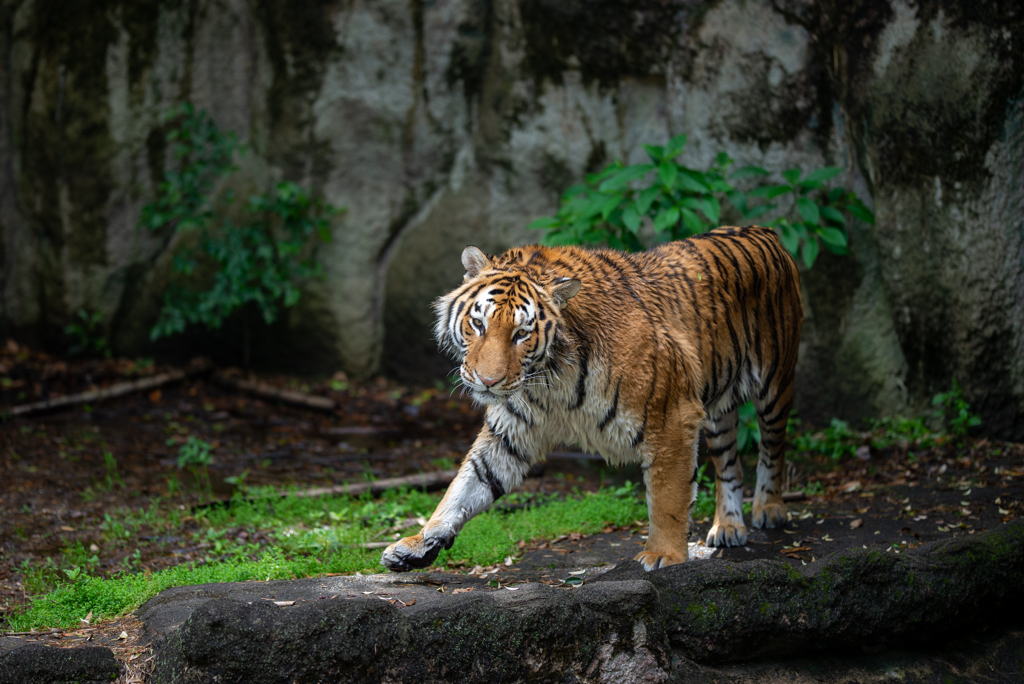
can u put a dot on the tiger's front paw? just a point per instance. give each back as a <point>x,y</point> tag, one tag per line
<point>652,560</point>
<point>770,515</point>
<point>412,553</point>
<point>727,534</point>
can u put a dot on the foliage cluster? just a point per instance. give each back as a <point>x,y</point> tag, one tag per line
<point>87,335</point>
<point>223,265</point>
<point>611,206</point>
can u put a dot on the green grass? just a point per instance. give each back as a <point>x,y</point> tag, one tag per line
<point>314,537</point>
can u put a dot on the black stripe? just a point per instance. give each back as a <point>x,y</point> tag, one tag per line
<point>507,444</point>
<point>488,478</point>
<point>712,435</point>
<point>581,380</point>
<point>610,416</point>
<point>519,416</point>
<point>718,451</point>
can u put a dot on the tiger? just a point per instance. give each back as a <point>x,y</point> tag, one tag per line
<point>629,355</point>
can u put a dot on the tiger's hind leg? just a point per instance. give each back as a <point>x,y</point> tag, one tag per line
<point>728,528</point>
<point>772,415</point>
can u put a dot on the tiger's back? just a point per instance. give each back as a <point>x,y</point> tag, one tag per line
<point>630,355</point>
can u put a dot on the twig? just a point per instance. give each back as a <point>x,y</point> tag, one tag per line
<point>111,392</point>
<point>269,392</point>
<point>425,480</point>
<point>33,633</point>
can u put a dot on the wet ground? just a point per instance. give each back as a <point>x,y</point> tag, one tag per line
<point>63,471</point>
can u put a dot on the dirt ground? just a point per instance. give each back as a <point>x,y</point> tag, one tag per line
<point>58,484</point>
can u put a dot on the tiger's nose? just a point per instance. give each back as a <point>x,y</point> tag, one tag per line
<point>489,382</point>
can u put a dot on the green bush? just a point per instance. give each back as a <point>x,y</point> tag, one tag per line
<point>678,201</point>
<point>222,265</point>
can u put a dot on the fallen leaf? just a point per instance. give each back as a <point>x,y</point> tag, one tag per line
<point>86,618</point>
<point>154,396</point>
<point>463,591</point>
<point>795,550</point>
<point>409,603</point>
<point>854,524</point>
<point>66,528</point>
<point>123,635</point>
<point>282,604</point>
<point>508,561</point>
<point>577,572</point>
<point>862,511</point>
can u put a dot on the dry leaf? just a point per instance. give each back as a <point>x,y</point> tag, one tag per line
<point>854,524</point>
<point>86,618</point>
<point>409,603</point>
<point>463,591</point>
<point>154,396</point>
<point>123,635</point>
<point>282,604</point>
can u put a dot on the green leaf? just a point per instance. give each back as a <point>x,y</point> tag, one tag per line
<point>809,210</point>
<point>769,191</point>
<point>625,176</point>
<point>747,172</point>
<point>756,211</point>
<point>834,239</point>
<point>672,216</point>
<point>643,202</point>
<point>738,200</point>
<point>791,176</point>
<point>691,221</point>
<point>789,238</point>
<point>810,251</point>
<point>609,205</point>
<point>693,181</point>
<point>711,209</point>
<point>674,148</point>
<point>655,152</point>
<point>664,219</point>
<point>833,215</point>
<point>836,194</point>
<point>822,175</point>
<point>544,223</point>
<point>667,174</point>
<point>631,218</point>
<point>858,209</point>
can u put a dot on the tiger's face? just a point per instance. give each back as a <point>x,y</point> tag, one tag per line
<point>501,323</point>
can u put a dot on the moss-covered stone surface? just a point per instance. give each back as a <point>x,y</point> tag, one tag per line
<point>680,623</point>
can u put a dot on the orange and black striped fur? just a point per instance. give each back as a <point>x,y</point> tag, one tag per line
<point>630,355</point>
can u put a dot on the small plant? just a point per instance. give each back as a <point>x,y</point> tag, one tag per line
<point>238,482</point>
<point>748,433</point>
<point>955,412</point>
<point>111,476</point>
<point>196,456</point>
<point>87,335</point>
<point>835,441</point>
<point>704,506</point>
<point>222,266</point>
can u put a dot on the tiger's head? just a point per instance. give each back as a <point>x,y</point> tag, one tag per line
<point>503,322</point>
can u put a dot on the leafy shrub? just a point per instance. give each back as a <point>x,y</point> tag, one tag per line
<point>954,410</point>
<point>611,205</point>
<point>258,261</point>
<point>87,335</point>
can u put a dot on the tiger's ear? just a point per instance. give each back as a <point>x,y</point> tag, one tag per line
<point>474,261</point>
<point>563,290</point>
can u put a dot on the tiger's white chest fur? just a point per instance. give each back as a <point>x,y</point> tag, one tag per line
<point>542,417</point>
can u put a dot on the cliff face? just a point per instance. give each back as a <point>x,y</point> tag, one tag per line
<point>458,121</point>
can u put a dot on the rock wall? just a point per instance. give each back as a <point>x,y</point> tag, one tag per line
<point>443,123</point>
